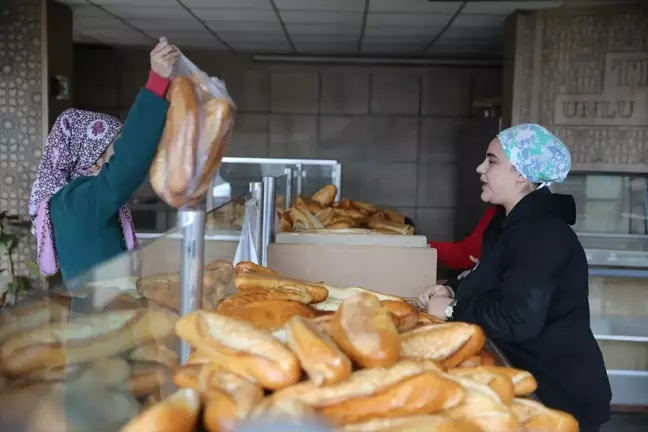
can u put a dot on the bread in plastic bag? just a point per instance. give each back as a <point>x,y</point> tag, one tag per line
<point>199,123</point>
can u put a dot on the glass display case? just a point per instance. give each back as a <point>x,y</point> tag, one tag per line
<point>613,229</point>
<point>109,334</point>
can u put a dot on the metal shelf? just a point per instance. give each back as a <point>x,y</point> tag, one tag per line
<point>620,328</point>
<point>629,388</point>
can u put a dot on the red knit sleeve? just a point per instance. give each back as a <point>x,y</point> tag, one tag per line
<point>457,255</point>
<point>156,84</point>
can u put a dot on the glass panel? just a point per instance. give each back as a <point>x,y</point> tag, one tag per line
<point>239,175</point>
<point>94,372</point>
<point>316,177</point>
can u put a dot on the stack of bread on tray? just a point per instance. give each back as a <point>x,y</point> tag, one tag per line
<point>279,348</point>
<point>320,212</point>
<point>354,359</point>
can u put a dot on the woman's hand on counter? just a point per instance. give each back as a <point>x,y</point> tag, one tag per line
<point>433,291</point>
<point>437,305</point>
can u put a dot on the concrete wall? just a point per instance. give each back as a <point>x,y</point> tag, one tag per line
<point>395,129</point>
<point>23,108</point>
<point>583,72</point>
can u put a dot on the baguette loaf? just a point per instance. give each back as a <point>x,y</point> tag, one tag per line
<point>406,388</point>
<point>336,295</point>
<point>319,356</point>
<point>283,410</point>
<point>285,222</point>
<point>240,348</point>
<point>394,216</point>
<point>268,315</point>
<point>147,379</point>
<point>417,423</point>
<point>313,206</point>
<point>499,383</point>
<point>482,358</point>
<point>155,353</point>
<point>391,227</point>
<point>303,219</point>
<point>536,417</point>
<point>326,195</point>
<point>407,314</point>
<point>523,381</point>
<point>249,266</point>
<point>219,414</point>
<point>449,343</point>
<point>32,315</point>
<point>483,407</point>
<point>248,297</point>
<point>365,207</point>
<point>364,330</point>
<point>427,319</point>
<point>325,216</point>
<point>209,378</point>
<point>257,281</point>
<point>177,413</point>
<point>82,340</point>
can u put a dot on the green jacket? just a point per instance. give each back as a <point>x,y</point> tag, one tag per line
<point>84,212</point>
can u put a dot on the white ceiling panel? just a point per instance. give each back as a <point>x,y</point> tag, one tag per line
<point>178,37</point>
<point>392,50</point>
<point>100,23</point>
<point>466,20</point>
<point>342,29</point>
<point>397,40</point>
<point>464,50</point>
<point>228,4</point>
<point>508,7</point>
<point>167,25</point>
<point>240,15</point>
<point>455,32</point>
<point>262,47</point>
<point>244,26</point>
<point>324,49</point>
<point>139,3</point>
<point>321,17</point>
<point>121,37</point>
<point>73,3</point>
<point>406,19</point>
<point>327,39</point>
<point>135,12</point>
<point>426,31</point>
<point>414,6</point>
<point>322,5</point>
<point>85,11</point>
<point>247,37</point>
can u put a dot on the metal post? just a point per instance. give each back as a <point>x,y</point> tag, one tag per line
<point>257,193</point>
<point>192,224</point>
<point>337,179</point>
<point>289,179</point>
<point>268,216</point>
<point>300,179</point>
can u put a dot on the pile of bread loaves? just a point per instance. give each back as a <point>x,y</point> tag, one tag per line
<point>320,212</point>
<point>355,359</point>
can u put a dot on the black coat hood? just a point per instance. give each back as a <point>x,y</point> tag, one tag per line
<point>542,202</point>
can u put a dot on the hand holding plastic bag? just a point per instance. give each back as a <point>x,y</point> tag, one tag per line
<point>198,126</point>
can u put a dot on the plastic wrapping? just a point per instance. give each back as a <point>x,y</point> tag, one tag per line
<point>199,124</point>
<point>246,250</point>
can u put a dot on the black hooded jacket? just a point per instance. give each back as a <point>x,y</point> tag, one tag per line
<point>529,293</point>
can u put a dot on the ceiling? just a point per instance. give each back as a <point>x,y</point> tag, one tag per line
<point>364,28</point>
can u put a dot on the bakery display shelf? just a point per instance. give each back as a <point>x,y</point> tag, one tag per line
<point>629,389</point>
<point>620,328</point>
<point>210,235</point>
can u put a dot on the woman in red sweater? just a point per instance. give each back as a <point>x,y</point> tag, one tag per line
<point>457,255</point>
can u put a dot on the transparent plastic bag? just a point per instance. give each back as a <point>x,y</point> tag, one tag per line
<point>199,124</point>
<point>246,250</point>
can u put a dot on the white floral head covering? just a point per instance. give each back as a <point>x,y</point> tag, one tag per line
<point>537,154</point>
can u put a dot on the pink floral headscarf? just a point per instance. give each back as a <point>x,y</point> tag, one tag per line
<point>74,144</point>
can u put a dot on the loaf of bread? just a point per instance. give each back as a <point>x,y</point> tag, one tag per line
<point>523,382</point>
<point>240,348</point>
<point>177,413</point>
<point>155,353</point>
<point>147,379</point>
<point>364,330</point>
<point>268,315</point>
<point>250,297</point>
<point>83,339</point>
<point>535,417</point>
<point>303,219</point>
<point>427,423</point>
<point>427,319</point>
<point>498,382</point>
<point>482,358</point>
<point>319,356</point>
<point>407,314</point>
<point>326,195</point>
<point>249,266</point>
<point>337,295</point>
<point>258,281</point>
<point>449,343</point>
<point>33,314</point>
<point>407,388</point>
<point>209,378</point>
<point>388,226</point>
<point>164,289</point>
<point>483,407</point>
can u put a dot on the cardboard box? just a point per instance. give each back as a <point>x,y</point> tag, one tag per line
<point>401,271</point>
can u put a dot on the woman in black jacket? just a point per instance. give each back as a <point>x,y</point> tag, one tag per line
<point>529,292</point>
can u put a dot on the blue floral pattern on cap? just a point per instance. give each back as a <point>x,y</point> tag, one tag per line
<point>537,154</point>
